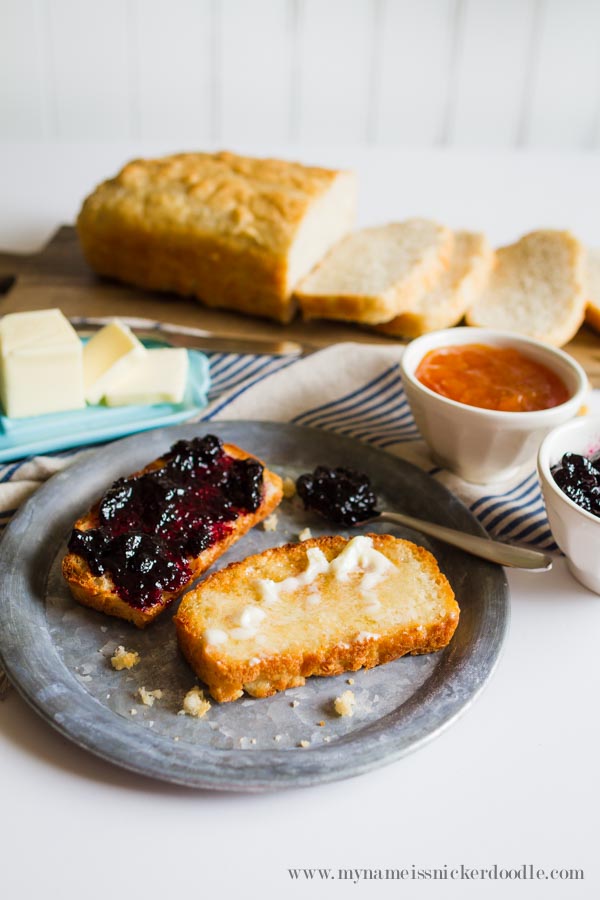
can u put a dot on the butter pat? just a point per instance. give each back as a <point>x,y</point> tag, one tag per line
<point>106,357</point>
<point>358,557</point>
<point>160,376</point>
<point>41,364</point>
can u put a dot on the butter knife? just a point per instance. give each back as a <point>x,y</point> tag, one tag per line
<point>196,338</point>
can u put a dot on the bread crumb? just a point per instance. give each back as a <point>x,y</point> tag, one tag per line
<point>344,705</point>
<point>304,744</point>
<point>277,737</point>
<point>270,523</point>
<point>305,534</point>
<point>294,704</point>
<point>327,738</point>
<point>194,704</point>
<point>148,697</point>
<point>289,488</point>
<point>124,659</point>
<point>133,712</point>
<point>320,724</point>
<point>350,681</point>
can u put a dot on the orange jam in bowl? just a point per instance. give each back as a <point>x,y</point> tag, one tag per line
<point>499,378</point>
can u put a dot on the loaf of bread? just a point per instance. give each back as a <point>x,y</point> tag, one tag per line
<point>232,231</point>
<point>537,288</point>
<point>455,290</point>
<point>99,591</point>
<point>375,274</point>
<point>321,607</point>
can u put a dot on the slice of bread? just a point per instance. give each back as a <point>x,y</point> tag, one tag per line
<point>457,288</point>
<point>592,313</point>
<point>99,592</point>
<point>344,604</point>
<point>375,274</point>
<point>537,288</point>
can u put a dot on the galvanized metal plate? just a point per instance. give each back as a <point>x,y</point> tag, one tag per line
<point>57,653</point>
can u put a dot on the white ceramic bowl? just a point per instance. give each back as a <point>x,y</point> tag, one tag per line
<point>485,445</point>
<point>576,531</point>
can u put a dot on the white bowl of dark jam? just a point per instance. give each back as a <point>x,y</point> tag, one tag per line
<point>569,470</point>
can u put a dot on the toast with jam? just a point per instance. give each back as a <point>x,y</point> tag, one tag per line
<point>154,532</point>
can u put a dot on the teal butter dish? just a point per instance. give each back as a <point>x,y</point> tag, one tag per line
<point>96,424</point>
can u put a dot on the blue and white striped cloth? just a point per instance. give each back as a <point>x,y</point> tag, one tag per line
<point>352,389</point>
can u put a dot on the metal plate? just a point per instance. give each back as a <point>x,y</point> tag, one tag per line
<point>57,653</point>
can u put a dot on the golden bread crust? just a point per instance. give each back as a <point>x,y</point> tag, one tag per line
<point>227,678</point>
<point>98,591</point>
<point>215,226</point>
<point>592,312</point>
<point>592,317</point>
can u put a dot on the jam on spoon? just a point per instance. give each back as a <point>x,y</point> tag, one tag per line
<point>340,495</point>
<point>346,497</point>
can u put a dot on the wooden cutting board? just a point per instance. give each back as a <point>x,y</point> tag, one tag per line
<point>58,276</point>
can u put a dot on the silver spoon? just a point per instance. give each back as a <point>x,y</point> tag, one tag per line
<point>486,548</point>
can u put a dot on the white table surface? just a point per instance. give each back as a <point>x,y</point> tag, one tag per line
<point>514,781</point>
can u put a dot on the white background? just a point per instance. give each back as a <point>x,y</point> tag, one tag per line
<point>495,73</point>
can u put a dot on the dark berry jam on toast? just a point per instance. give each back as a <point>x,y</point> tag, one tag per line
<point>150,525</point>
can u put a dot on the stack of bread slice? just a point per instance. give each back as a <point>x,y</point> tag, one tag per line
<point>374,274</point>
<point>404,279</point>
<point>459,285</point>
<point>409,278</point>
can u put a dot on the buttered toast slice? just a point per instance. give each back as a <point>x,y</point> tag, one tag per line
<point>375,274</point>
<point>321,607</point>
<point>151,534</point>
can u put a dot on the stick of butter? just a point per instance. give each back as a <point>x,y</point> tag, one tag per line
<point>106,357</point>
<point>158,377</point>
<point>41,367</point>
